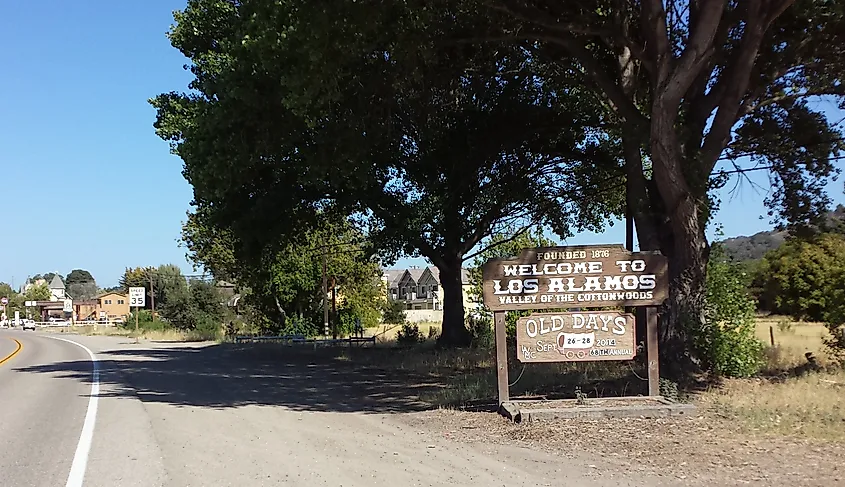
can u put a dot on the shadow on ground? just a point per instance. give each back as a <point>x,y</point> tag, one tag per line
<point>227,375</point>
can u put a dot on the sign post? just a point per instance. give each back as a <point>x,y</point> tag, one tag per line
<point>583,277</point>
<point>137,298</point>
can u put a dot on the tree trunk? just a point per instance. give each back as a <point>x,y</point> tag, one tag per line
<point>454,332</point>
<point>684,310</point>
<point>683,313</point>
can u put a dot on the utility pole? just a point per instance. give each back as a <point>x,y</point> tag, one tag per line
<point>325,299</point>
<point>334,308</point>
<point>152,296</point>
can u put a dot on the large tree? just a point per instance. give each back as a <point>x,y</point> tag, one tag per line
<point>80,285</point>
<point>693,84</point>
<point>432,147</point>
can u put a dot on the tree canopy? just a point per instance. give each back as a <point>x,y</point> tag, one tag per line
<point>284,282</point>
<point>80,285</point>
<point>431,147</point>
<point>434,122</point>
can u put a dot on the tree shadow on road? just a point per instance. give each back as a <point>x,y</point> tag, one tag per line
<point>228,375</point>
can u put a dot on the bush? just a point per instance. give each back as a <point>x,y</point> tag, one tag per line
<point>727,342</point>
<point>409,335</point>
<point>481,332</point>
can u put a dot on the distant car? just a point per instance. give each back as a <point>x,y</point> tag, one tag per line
<point>28,325</point>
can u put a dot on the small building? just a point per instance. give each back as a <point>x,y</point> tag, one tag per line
<point>112,305</point>
<point>421,291</point>
<point>57,289</point>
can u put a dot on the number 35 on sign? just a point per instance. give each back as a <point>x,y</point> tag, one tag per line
<point>137,296</point>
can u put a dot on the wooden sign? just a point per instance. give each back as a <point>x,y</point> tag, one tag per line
<point>576,337</point>
<point>589,276</point>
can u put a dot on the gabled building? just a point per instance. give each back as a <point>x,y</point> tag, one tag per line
<point>57,289</point>
<point>421,289</point>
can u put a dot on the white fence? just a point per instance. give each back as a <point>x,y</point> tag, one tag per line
<point>59,324</point>
<point>424,315</point>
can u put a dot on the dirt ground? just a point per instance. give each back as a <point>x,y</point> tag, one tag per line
<point>695,451</point>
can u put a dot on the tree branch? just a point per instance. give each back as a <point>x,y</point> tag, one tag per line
<point>501,242</point>
<point>736,83</point>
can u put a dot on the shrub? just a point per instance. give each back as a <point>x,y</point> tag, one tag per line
<point>481,331</point>
<point>409,335</point>
<point>727,341</point>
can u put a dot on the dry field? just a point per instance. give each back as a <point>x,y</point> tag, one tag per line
<point>166,335</point>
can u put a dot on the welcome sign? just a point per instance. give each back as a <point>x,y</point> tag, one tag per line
<point>575,277</point>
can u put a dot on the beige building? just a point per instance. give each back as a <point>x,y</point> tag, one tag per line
<point>422,293</point>
<point>114,305</point>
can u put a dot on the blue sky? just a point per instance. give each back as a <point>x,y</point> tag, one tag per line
<point>85,181</point>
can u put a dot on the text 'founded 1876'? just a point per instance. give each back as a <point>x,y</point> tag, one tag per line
<point>575,337</point>
<point>575,277</point>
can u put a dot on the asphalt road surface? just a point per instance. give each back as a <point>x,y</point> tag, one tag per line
<point>223,415</point>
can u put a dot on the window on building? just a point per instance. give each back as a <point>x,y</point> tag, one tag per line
<point>120,301</point>
<point>108,301</point>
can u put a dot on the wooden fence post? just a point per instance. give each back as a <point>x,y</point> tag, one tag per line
<point>653,352</point>
<point>501,356</point>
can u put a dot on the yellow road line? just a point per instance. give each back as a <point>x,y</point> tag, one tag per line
<point>9,357</point>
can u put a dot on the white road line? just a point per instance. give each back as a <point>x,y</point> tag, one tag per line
<point>80,458</point>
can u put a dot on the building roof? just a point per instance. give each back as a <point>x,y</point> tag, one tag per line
<point>416,273</point>
<point>109,293</point>
<point>57,283</point>
<point>393,276</point>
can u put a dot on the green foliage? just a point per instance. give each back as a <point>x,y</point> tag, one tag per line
<point>285,283</point>
<point>360,107</point>
<point>166,280</point>
<point>194,307</point>
<point>80,285</point>
<point>481,331</point>
<point>504,245</point>
<point>394,312</point>
<point>727,341</point>
<point>145,322</point>
<point>39,292</point>
<point>16,301</point>
<point>409,335</point>
<point>797,279</point>
<point>805,279</point>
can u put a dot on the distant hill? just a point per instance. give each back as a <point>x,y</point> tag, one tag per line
<point>741,249</point>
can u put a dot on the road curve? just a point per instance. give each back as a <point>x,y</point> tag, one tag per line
<point>41,415</point>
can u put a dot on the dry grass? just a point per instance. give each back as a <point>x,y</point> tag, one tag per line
<point>466,376</point>
<point>792,340</point>
<point>167,335</point>
<point>810,406</point>
<point>387,334</point>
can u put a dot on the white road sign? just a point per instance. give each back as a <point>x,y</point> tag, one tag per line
<point>67,306</point>
<point>4,301</point>
<point>137,296</point>
<point>30,304</point>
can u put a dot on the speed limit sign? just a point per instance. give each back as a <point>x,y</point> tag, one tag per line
<point>137,296</point>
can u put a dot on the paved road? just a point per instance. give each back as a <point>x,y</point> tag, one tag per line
<point>197,415</point>
<point>41,415</point>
